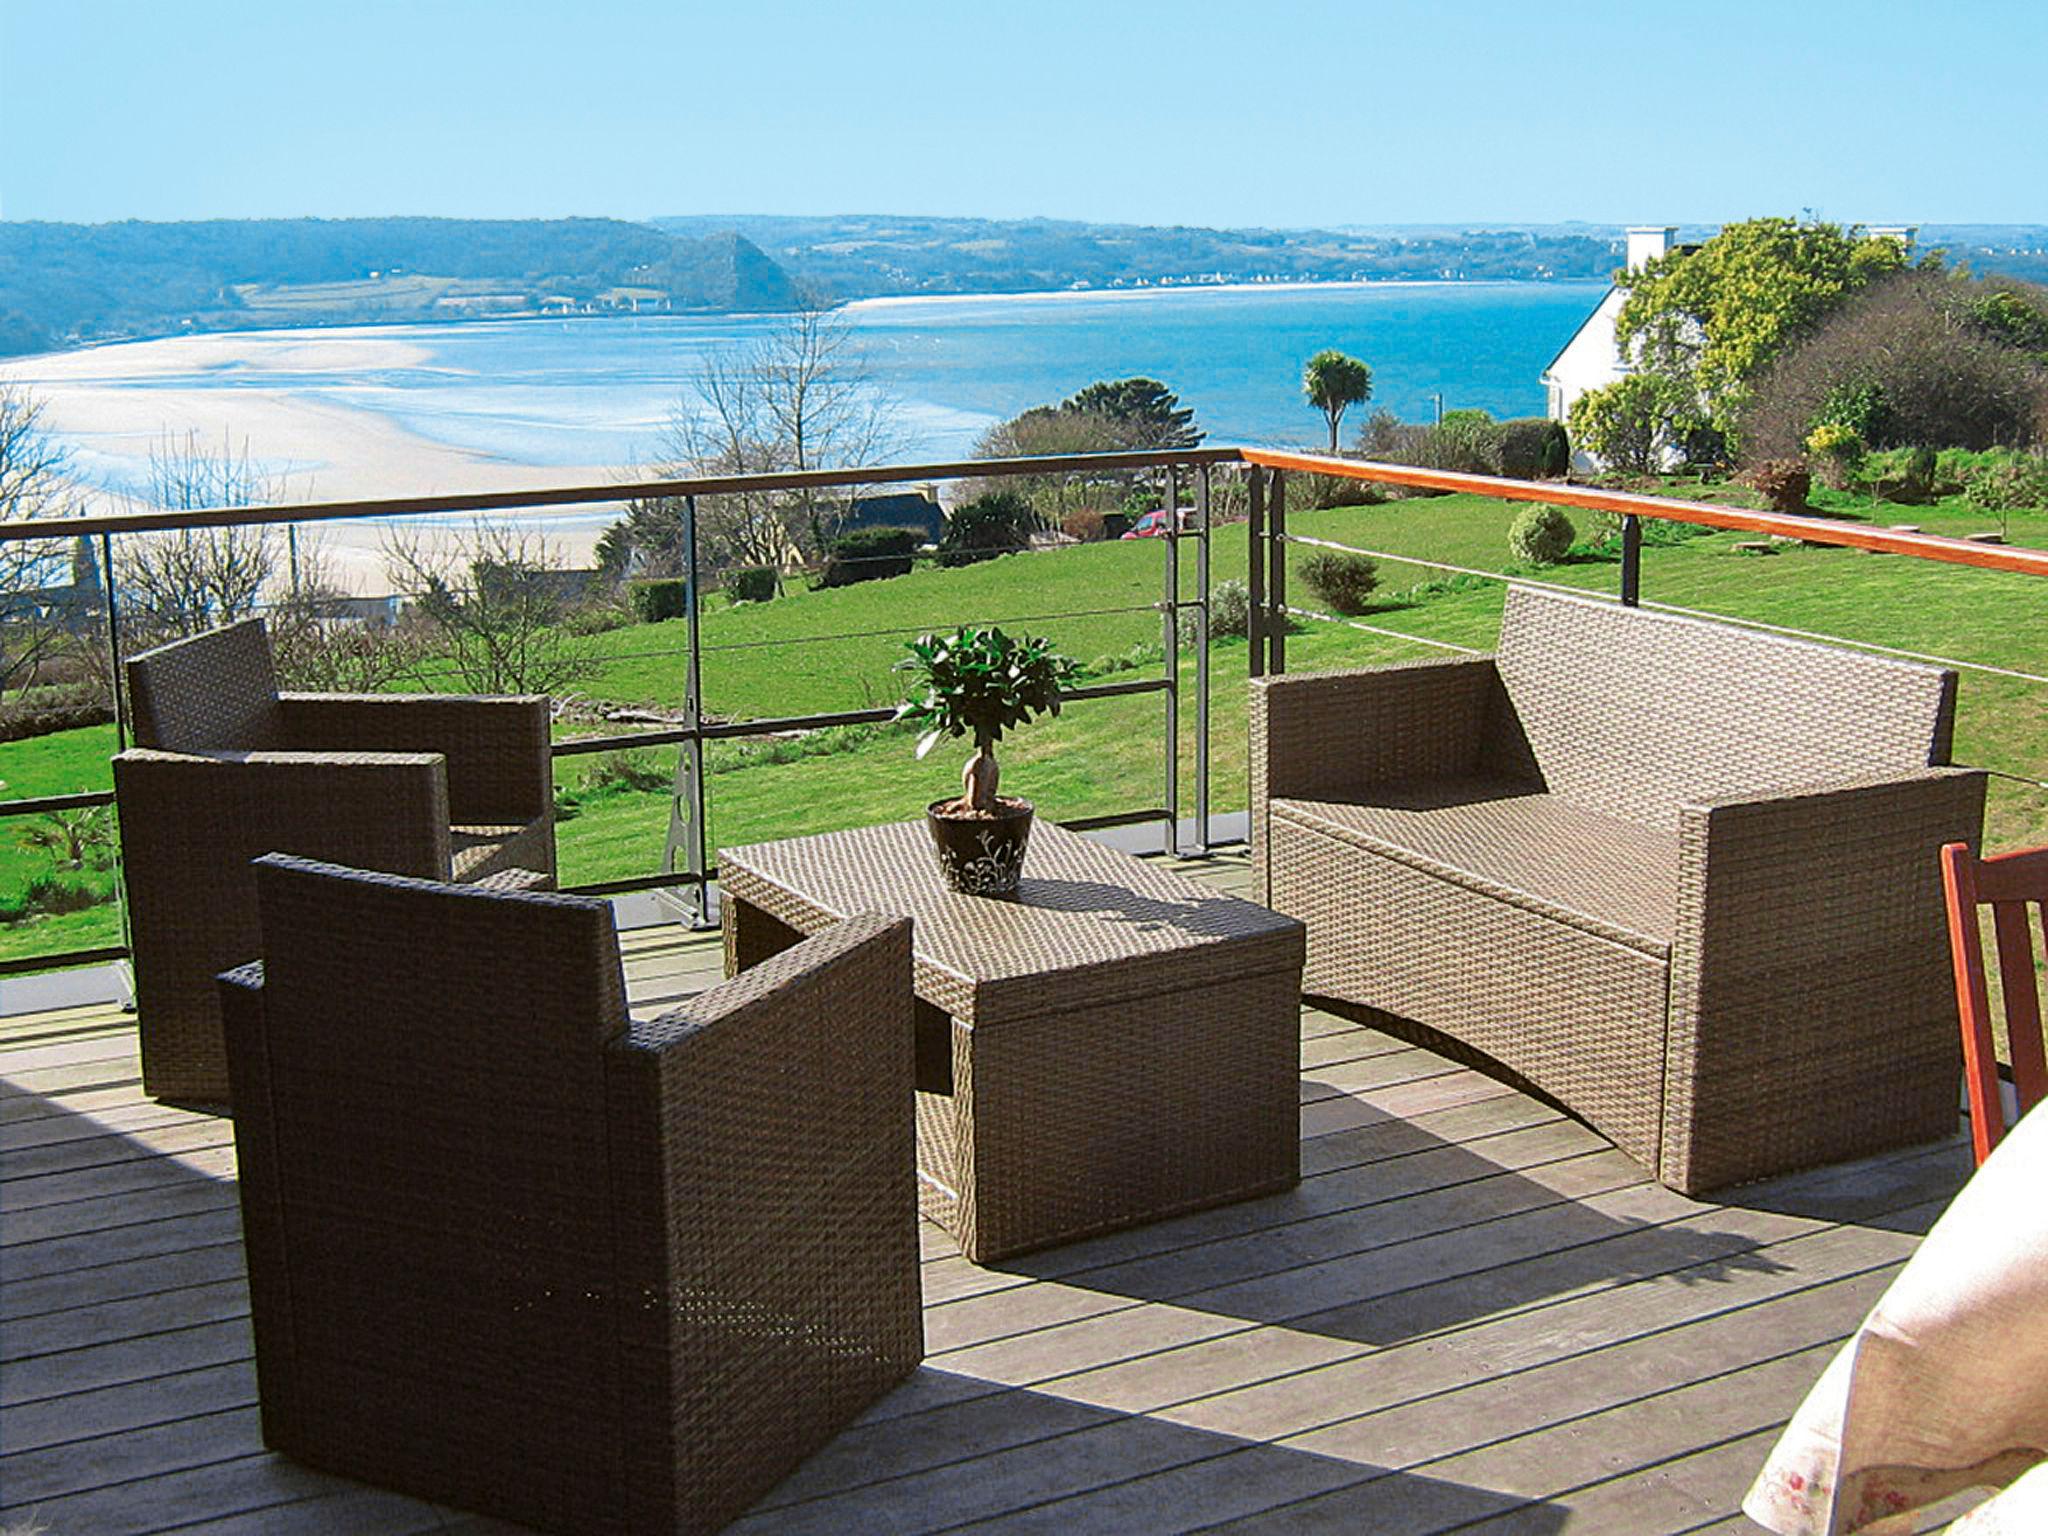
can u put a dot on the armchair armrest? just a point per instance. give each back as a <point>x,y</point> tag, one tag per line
<point>1332,735</point>
<point>499,772</point>
<point>187,813</point>
<point>779,1107</point>
<point>1809,991</point>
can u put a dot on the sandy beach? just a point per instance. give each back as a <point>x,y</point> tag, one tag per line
<point>312,449</point>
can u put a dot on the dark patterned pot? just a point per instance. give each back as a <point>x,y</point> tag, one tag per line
<point>981,855</point>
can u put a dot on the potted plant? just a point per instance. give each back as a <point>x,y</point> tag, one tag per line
<point>980,682</point>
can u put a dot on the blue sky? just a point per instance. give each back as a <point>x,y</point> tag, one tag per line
<point>1284,113</point>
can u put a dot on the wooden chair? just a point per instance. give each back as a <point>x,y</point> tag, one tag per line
<point>511,1251</point>
<point>2005,883</point>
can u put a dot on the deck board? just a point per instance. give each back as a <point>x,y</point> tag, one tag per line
<point>1473,1314</point>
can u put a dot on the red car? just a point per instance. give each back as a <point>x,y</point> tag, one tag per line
<point>1153,524</point>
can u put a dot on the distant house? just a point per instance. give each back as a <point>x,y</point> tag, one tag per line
<point>917,509</point>
<point>1591,359</point>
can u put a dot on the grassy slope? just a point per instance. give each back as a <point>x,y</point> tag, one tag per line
<point>817,651</point>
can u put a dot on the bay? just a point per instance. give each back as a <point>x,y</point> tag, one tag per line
<point>586,391</point>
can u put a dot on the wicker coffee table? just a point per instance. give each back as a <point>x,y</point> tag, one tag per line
<point>1116,1045</point>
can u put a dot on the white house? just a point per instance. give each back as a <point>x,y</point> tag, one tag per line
<point>1591,360</point>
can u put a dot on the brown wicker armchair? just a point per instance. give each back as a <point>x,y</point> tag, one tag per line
<point>1678,875</point>
<point>225,768</point>
<point>511,1252</point>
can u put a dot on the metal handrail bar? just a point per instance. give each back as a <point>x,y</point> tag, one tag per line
<point>1813,530</point>
<point>44,805</point>
<point>909,629</point>
<point>724,730</point>
<point>617,491</point>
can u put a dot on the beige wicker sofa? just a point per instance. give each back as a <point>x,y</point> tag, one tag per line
<point>1678,875</point>
<point>225,767</point>
<point>511,1251</point>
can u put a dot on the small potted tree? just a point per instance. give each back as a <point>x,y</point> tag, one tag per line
<point>980,682</point>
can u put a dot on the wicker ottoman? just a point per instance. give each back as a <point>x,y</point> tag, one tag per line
<point>1116,1045</point>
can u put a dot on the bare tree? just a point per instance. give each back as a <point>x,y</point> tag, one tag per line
<point>190,580</point>
<point>322,647</point>
<point>34,483</point>
<point>492,603</point>
<point>798,397</point>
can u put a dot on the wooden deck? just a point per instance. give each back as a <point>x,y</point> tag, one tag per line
<point>1473,1315</point>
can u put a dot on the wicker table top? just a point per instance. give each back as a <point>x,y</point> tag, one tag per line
<point>1090,925</point>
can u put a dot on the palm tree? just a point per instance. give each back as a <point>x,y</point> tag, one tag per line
<point>1335,381</point>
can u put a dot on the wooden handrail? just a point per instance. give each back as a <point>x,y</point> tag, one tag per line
<point>1816,530</point>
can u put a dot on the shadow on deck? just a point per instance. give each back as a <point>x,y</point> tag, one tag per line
<point>1473,1314</point>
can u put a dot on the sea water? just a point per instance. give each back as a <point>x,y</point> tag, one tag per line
<point>601,391</point>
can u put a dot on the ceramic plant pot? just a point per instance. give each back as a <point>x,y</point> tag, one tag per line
<point>980,855</point>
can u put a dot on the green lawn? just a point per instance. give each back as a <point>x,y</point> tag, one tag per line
<point>820,651</point>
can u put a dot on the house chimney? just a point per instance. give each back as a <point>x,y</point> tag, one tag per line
<point>1646,242</point>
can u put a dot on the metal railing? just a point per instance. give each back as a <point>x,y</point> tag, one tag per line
<point>686,864</point>
<point>1266,569</point>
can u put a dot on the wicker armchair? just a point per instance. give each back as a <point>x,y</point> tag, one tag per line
<point>1680,876</point>
<point>511,1252</point>
<point>225,768</point>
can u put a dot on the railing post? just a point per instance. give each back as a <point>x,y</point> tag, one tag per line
<point>1169,623</point>
<point>1276,578</point>
<point>1631,560</point>
<point>1202,659</point>
<point>1255,570</point>
<point>686,810</point>
<point>118,685</point>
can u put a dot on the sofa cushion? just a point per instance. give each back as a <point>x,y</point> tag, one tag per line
<point>1507,840</point>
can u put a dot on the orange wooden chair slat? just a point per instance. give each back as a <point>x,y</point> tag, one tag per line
<point>2006,883</point>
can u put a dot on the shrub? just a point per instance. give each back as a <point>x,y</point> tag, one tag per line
<point>1468,442</point>
<point>2007,485</point>
<point>986,527</point>
<point>1534,448</point>
<point>1341,579</point>
<point>55,895</point>
<point>66,707</point>
<point>1634,423</point>
<point>1318,492</point>
<point>654,601</point>
<point>1784,484</point>
<point>1085,525</point>
<point>870,554</point>
<point>1230,612</point>
<point>600,618</point>
<point>1839,450</point>
<point>1904,363</point>
<point>751,583</point>
<point>1542,535</point>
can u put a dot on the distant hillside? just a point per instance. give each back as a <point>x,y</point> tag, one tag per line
<point>861,255</point>
<point>855,256</point>
<point>63,283</point>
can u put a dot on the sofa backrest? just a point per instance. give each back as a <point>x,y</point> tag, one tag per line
<point>215,692</point>
<point>1637,713</point>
